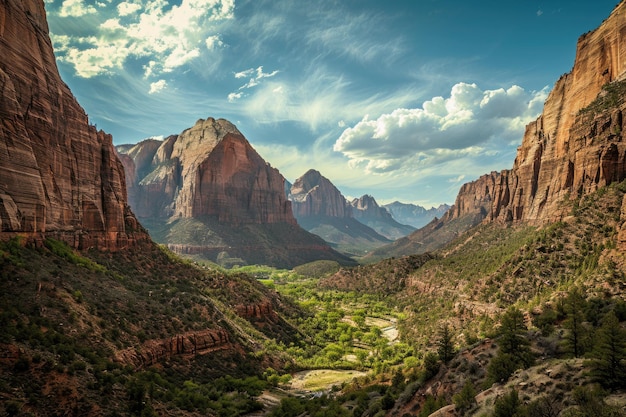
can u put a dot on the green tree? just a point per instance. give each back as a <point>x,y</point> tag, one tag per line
<point>508,405</point>
<point>431,365</point>
<point>609,363</point>
<point>445,345</point>
<point>574,306</point>
<point>513,338</point>
<point>466,398</point>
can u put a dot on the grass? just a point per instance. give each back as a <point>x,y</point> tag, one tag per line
<point>323,379</point>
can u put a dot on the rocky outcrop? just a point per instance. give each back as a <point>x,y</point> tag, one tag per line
<point>576,146</point>
<point>59,176</point>
<point>314,195</point>
<point>263,310</point>
<point>367,211</point>
<point>186,344</point>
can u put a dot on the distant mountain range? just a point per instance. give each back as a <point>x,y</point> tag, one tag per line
<point>414,215</point>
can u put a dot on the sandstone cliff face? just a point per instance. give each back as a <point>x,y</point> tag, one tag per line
<point>186,344</point>
<point>59,177</point>
<point>566,152</point>
<point>314,195</point>
<point>207,170</point>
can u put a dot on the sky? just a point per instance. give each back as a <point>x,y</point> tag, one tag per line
<point>401,99</point>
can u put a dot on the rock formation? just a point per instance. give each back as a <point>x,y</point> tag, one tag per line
<point>367,211</point>
<point>59,176</point>
<point>206,192</point>
<point>186,344</point>
<point>314,195</point>
<point>320,208</point>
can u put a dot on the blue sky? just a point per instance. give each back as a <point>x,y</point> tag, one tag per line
<point>403,100</point>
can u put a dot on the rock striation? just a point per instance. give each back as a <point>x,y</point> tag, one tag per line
<point>314,195</point>
<point>367,211</point>
<point>206,192</point>
<point>186,344</point>
<point>59,176</point>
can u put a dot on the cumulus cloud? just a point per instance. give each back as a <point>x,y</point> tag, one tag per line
<point>469,122</point>
<point>75,8</point>
<point>165,37</point>
<point>157,86</point>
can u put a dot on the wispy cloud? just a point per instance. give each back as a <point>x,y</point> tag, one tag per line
<point>256,77</point>
<point>76,8</point>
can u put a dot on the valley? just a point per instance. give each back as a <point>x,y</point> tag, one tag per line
<point>185,276</point>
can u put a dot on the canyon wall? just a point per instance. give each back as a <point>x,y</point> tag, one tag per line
<point>574,147</point>
<point>59,176</point>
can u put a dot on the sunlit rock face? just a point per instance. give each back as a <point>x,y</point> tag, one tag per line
<point>59,176</point>
<point>314,195</point>
<point>207,170</point>
<point>568,150</point>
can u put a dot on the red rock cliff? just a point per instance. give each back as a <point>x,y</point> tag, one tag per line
<point>59,177</point>
<point>314,195</point>
<point>570,149</point>
<point>207,170</point>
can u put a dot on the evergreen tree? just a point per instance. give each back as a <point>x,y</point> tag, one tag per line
<point>513,340</point>
<point>445,345</point>
<point>574,306</point>
<point>609,362</point>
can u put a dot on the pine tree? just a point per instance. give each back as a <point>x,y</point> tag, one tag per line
<point>513,340</point>
<point>574,308</point>
<point>609,362</point>
<point>445,345</point>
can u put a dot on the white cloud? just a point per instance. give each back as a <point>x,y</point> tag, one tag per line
<point>157,86</point>
<point>126,8</point>
<point>213,42</point>
<point>75,8</point>
<point>470,122</point>
<point>167,37</point>
<point>256,76</point>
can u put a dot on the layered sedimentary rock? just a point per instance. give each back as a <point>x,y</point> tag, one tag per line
<point>207,170</point>
<point>186,344</point>
<point>367,211</point>
<point>576,145</point>
<point>59,176</point>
